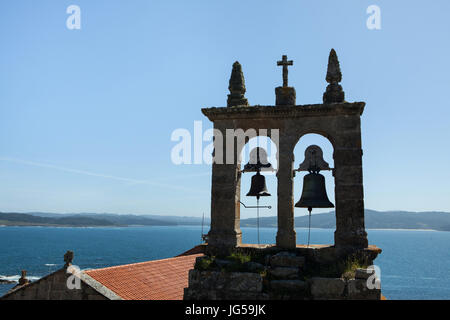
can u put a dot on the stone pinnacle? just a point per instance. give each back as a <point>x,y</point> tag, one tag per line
<point>334,92</point>
<point>237,87</point>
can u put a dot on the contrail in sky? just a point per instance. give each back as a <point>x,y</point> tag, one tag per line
<point>93,174</point>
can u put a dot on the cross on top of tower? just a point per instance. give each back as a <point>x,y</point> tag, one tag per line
<point>285,63</point>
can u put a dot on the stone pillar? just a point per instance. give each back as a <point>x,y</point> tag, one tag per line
<point>350,228</point>
<point>285,96</point>
<point>225,232</point>
<point>286,237</point>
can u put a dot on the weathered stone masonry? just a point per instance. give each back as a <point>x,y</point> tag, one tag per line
<point>290,271</point>
<point>339,122</point>
<point>335,119</point>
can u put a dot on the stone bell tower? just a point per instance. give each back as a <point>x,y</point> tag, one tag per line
<point>335,119</point>
<point>287,270</point>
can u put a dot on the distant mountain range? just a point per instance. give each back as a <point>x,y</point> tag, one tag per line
<point>374,220</point>
<point>94,220</point>
<point>19,219</point>
<point>439,221</point>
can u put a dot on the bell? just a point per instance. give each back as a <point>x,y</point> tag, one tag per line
<point>258,187</point>
<point>314,194</point>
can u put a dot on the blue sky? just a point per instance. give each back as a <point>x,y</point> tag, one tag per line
<point>86,115</point>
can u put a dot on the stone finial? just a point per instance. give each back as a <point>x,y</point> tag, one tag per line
<point>237,87</point>
<point>334,92</point>
<point>68,257</point>
<point>334,70</point>
<point>23,279</point>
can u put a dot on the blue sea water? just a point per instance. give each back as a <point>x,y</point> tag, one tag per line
<point>414,264</point>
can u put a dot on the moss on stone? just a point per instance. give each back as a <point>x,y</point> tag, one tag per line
<point>204,263</point>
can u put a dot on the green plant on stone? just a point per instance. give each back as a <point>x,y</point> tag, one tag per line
<point>349,267</point>
<point>239,257</point>
<point>204,263</point>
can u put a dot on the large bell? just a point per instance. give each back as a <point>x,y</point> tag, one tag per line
<point>314,193</point>
<point>258,187</point>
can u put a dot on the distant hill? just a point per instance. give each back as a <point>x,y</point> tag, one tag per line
<point>20,219</point>
<point>94,219</point>
<point>128,219</point>
<point>131,219</point>
<point>373,219</point>
<point>196,221</point>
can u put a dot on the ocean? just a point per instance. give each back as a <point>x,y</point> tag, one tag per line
<point>414,264</point>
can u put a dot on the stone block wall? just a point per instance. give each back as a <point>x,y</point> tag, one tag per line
<point>211,285</point>
<point>282,276</point>
<point>53,287</point>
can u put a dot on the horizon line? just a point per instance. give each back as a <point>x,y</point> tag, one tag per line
<point>191,216</point>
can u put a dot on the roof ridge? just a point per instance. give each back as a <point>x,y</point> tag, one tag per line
<point>139,263</point>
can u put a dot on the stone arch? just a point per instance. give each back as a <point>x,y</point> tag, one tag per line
<point>323,133</point>
<point>269,143</point>
<point>244,179</point>
<point>293,130</point>
<point>327,147</point>
<point>260,132</point>
<point>338,122</point>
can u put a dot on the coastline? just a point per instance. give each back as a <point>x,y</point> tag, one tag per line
<point>206,226</point>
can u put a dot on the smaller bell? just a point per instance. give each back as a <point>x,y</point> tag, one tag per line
<point>314,194</point>
<point>258,187</point>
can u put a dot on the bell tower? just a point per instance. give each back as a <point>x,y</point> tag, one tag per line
<point>336,119</point>
<point>286,270</point>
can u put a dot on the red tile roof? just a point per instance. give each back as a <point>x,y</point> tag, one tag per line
<point>152,280</point>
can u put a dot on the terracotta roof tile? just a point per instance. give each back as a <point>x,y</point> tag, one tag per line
<point>152,280</point>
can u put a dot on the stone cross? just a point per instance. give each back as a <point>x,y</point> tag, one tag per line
<point>285,63</point>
